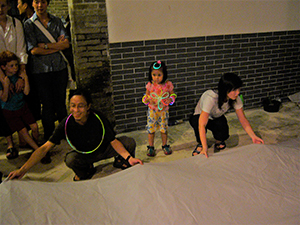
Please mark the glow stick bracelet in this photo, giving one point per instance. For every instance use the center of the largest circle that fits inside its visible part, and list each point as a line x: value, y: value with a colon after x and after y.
x: 144, y: 100
x: 160, y: 98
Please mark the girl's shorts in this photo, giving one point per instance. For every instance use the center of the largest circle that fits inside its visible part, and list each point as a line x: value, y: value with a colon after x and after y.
x: 157, y: 120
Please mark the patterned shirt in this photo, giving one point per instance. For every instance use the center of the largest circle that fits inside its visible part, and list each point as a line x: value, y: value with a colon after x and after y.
x: 159, y: 92
x: 44, y: 63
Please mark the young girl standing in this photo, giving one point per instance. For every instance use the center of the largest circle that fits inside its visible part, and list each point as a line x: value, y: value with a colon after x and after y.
x: 159, y: 95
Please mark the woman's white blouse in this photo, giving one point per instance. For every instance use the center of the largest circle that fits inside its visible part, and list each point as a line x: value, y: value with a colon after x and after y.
x: 209, y: 103
x: 12, y: 39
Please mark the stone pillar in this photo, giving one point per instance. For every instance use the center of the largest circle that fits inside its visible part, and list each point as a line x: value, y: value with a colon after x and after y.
x: 89, y: 38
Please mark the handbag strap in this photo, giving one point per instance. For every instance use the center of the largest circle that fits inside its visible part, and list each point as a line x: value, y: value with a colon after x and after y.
x: 48, y: 35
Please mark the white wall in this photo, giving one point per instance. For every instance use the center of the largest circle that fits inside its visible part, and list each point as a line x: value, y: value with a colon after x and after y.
x: 133, y: 20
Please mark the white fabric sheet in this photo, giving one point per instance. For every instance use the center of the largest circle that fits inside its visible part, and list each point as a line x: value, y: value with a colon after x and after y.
x: 254, y: 184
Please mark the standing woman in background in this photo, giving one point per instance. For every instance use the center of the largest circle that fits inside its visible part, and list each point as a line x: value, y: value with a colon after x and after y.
x: 48, y: 68
x: 11, y: 39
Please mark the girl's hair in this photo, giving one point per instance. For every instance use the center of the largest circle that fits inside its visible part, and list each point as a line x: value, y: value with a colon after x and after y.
x: 228, y: 82
x: 84, y: 93
x: 6, y: 57
x: 158, y: 65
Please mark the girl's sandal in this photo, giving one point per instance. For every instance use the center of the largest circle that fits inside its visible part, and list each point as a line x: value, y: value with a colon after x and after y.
x: 219, y: 146
x: 167, y: 150
x: 150, y: 151
x: 196, y: 151
x: 12, y: 153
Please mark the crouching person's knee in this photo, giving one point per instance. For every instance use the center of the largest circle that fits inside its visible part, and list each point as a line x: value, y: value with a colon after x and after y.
x: 70, y: 159
x: 129, y: 144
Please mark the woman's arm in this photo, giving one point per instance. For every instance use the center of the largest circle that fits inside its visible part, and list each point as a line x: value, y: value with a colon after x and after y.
x: 36, y: 156
x: 21, y: 46
x: 247, y: 127
x: 203, y: 119
x: 42, y: 51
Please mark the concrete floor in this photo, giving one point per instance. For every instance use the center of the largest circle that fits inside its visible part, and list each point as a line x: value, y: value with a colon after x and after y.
x: 271, y: 127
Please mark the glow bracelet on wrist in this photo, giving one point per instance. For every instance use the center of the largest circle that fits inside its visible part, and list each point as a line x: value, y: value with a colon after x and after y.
x: 144, y: 100
x: 173, y: 97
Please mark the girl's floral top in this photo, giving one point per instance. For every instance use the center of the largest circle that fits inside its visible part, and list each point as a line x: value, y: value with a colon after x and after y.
x: 158, y: 93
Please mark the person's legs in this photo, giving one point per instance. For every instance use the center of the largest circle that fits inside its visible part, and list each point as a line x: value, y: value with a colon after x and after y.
x: 82, y: 165
x: 61, y: 80
x: 151, y: 139
x: 25, y: 135
x: 164, y: 120
x: 29, y: 120
x: 151, y: 128
x: 35, y: 132
x: 164, y: 138
x: 5, y: 131
x: 220, y: 130
x: 194, y: 122
x: 9, y: 140
x: 46, y: 87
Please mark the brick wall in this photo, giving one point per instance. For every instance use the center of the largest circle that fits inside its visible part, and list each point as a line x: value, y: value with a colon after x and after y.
x: 90, y: 46
x: 58, y: 8
x: 268, y: 63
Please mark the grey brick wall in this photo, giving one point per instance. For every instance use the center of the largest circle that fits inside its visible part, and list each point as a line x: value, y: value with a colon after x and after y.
x: 268, y: 63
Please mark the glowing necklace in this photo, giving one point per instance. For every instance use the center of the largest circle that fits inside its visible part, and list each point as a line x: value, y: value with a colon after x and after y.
x: 72, y: 146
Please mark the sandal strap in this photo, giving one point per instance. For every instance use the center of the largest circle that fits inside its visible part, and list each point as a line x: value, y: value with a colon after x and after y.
x: 195, y: 150
x: 217, y: 147
x: 221, y: 143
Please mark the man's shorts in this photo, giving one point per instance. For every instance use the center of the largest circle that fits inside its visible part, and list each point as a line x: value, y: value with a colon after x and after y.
x: 157, y: 120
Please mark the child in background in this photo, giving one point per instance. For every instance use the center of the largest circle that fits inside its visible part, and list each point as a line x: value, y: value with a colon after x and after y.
x: 159, y: 95
x: 14, y: 108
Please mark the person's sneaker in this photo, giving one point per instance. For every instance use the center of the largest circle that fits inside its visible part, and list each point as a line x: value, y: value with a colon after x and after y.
x: 167, y: 149
x: 150, y: 151
x: 46, y: 159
